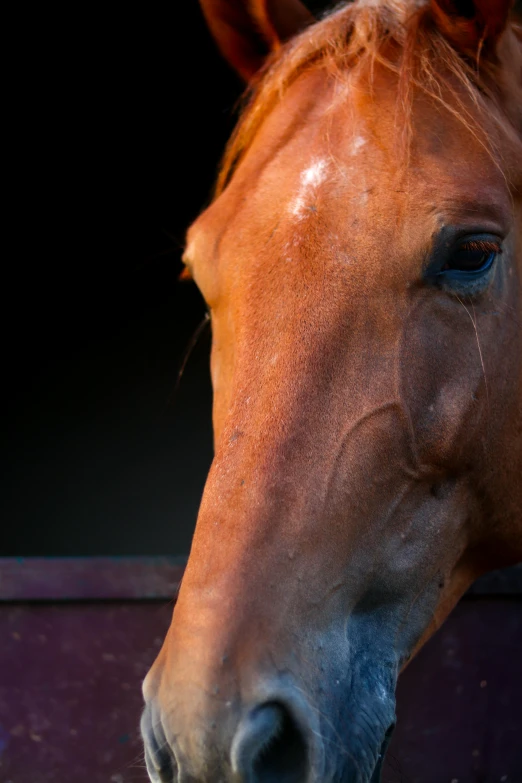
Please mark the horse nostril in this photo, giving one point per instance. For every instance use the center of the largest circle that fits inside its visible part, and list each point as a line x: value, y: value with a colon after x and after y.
x: 161, y: 768
x: 269, y: 746
x: 159, y: 758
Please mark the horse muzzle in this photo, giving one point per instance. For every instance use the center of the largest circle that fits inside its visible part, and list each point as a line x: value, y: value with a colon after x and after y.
x: 280, y: 737
x: 275, y: 739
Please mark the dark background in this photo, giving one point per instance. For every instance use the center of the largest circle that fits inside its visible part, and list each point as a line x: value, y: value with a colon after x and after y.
x: 117, y: 124
x: 116, y: 119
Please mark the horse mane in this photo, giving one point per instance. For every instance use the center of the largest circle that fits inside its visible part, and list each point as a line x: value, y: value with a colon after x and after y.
x: 402, y: 37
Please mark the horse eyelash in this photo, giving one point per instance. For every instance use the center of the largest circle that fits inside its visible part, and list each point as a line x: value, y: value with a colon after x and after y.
x: 482, y: 244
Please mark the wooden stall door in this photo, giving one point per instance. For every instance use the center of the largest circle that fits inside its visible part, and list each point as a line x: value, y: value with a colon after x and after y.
x: 79, y: 634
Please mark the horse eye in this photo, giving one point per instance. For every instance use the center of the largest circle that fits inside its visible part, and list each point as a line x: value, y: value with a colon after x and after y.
x: 469, y: 263
x: 476, y: 256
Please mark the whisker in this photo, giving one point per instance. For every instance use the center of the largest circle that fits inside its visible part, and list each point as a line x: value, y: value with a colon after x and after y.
x: 186, y: 356
x: 474, y: 322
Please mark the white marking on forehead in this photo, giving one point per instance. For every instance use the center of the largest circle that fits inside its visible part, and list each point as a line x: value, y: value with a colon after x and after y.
x: 314, y: 175
x: 311, y: 178
x: 356, y: 145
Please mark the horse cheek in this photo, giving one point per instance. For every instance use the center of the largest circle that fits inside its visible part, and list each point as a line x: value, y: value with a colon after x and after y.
x: 444, y: 388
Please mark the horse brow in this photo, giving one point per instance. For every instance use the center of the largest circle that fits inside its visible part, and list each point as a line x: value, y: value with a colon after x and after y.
x: 357, y: 37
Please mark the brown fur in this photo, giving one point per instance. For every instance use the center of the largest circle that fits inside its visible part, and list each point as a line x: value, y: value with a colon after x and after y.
x: 408, y: 43
x: 368, y: 421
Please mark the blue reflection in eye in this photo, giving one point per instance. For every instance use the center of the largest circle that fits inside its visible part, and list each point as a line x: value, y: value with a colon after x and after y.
x: 469, y: 265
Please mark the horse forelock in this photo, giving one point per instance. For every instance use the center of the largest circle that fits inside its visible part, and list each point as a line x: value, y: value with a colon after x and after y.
x: 483, y: 93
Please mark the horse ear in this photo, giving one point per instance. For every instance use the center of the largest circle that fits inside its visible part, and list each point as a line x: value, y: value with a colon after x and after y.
x: 246, y: 31
x: 471, y: 25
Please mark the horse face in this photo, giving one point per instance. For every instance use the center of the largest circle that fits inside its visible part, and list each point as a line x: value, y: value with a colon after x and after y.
x: 366, y: 368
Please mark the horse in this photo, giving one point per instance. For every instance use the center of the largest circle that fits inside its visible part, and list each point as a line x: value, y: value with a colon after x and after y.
x: 362, y: 265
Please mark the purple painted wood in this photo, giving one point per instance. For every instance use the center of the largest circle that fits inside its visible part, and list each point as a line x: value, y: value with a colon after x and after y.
x: 89, y: 578
x: 128, y: 578
x: 70, y: 699
x: 459, y: 703
x: 71, y: 672
x: 70, y: 690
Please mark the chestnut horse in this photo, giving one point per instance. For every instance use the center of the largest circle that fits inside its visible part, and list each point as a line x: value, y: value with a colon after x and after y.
x: 362, y: 264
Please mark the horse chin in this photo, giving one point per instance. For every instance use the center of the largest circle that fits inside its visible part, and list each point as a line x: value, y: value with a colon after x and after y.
x: 362, y: 774
x: 376, y: 777
x: 364, y: 741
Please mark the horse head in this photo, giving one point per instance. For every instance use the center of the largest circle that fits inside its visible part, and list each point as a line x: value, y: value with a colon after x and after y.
x: 362, y: 264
